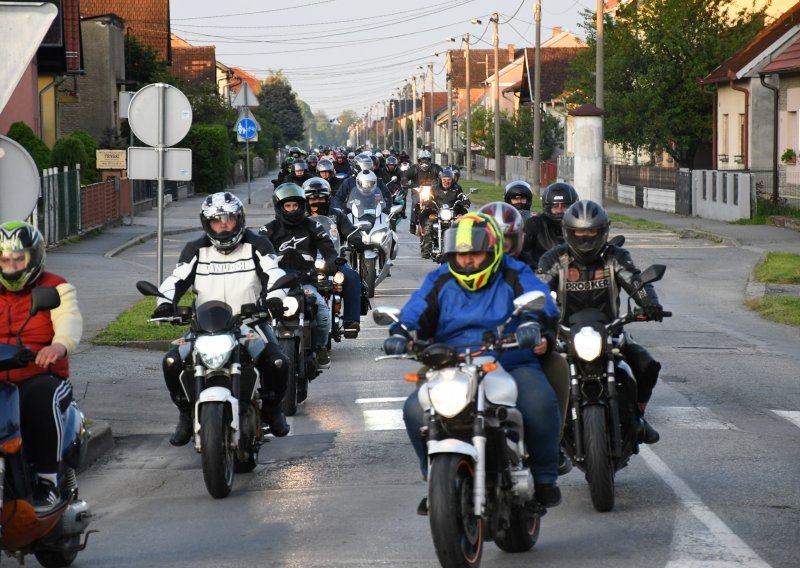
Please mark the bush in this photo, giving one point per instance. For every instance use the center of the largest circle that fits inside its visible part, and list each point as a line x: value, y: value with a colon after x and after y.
x: 68, y: 151
x: 23, y: 134
x: 211, y: 156
x: 89, y: 173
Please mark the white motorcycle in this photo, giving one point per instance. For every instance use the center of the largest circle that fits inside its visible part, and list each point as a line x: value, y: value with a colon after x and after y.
x: 365, y: 211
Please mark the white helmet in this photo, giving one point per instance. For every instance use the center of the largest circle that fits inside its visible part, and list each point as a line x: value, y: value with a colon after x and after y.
x: 366, y: 181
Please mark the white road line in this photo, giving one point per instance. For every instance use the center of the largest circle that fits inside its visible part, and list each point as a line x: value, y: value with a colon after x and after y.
x: 716, y: 545
x: 380, y: 400
x: 792, y: 416
x: 388, y: 419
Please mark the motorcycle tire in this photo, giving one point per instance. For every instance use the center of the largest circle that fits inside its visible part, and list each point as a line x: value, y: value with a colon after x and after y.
x: 289, y: 403
x: 599, y: 464
x: 457, y: 532
x: 58, y: 558
x: 247, y: 465
x: 523, y: 532
x: 217, y: 453
x: 370, y: 275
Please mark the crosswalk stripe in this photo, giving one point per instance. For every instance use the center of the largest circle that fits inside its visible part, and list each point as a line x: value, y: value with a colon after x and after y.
x: 792, y: 416
x: 385, y: 419
x: 380, y: 400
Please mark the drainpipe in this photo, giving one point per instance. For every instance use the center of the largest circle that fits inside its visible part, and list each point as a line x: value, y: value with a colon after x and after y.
x: 54, y: 83
x: 713, y: 96
x: 775, y: 97
x: 746, y: 141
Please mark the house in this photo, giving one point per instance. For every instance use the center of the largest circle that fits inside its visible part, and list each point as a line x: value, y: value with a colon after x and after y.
x: 147, y: 20
x: 191, y: 63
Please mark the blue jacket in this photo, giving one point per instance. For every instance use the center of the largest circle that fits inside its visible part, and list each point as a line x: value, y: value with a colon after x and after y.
x: 446, y: 312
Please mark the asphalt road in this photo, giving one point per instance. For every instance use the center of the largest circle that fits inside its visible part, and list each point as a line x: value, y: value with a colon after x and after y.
x: 719, y: 490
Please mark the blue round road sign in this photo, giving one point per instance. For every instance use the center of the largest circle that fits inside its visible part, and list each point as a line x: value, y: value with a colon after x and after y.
x: 246, y: 128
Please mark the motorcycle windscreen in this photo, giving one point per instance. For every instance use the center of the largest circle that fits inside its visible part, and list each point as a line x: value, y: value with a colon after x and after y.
x: 214, y: 316
x: 365, y: 207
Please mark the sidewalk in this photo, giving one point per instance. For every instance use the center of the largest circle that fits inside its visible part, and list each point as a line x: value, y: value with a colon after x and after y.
x: 106, y: 283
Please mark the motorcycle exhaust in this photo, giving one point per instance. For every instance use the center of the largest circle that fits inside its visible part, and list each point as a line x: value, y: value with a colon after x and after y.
x: 76, y: 518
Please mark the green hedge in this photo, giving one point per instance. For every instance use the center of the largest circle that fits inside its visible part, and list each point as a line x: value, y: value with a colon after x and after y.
x: 23, y: 134
x: 68, y: 151
x: 89, y: 173
x: 211, y: 156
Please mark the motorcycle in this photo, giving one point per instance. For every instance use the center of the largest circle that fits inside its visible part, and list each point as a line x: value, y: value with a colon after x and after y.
x: 479, y: 488
x: 445, y: 217
x: 225, y: 392
x: 603, y: 428
x: 399, y: 194
x: 366, y: 213
x: 53, y: 538
x: 290, y: 311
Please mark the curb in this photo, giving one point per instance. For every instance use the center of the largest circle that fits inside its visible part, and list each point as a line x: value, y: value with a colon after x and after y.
x: 147, y: 236
x: 100, y: 441
x: 700, y: 234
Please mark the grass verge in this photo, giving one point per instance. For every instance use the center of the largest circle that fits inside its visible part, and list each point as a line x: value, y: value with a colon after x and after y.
x: 779, y: 268
x: 625, y: 222
x: 132, y: 325
x: 765, y: 208
x: 780, y: 309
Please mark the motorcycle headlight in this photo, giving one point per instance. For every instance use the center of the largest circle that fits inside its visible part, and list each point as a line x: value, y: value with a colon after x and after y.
x: 588, y: 344
x: 378, y: 236
x: 446, y: 214
x: 449, y: 391
x: 338, y: 278
x: 291, y: 306
x: 214, y: 350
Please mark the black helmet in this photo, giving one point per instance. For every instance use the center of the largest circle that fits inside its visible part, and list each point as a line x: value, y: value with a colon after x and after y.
x: 317, y: 187
x: 555, y: 193
x: 295, y: 152
x: 284, y: 193
x: 219, y: 205
x: 392, y: 164
x: 312, y: 160
x: 516, y: 189
x: 299, y: 165
x: 585, y: 215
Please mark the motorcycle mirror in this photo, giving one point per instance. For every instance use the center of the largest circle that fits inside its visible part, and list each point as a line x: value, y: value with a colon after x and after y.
x: 653, y: 273
x: 617, y: 241
x: 386, y: 315
x: 146, y: 288
x: 394, y: 178
x: 247, y: 310
x: 44, y: 298
x: 530, y: 301
x: 395, y: 210
x: 285, y: 281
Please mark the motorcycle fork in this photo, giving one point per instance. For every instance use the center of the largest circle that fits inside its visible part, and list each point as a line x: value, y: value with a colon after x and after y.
x: 575, y: 411
x: 613, y: 406
x: 479, y: 441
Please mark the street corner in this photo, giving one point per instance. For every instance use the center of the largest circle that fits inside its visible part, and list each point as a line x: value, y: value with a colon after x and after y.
x: 100, y: 441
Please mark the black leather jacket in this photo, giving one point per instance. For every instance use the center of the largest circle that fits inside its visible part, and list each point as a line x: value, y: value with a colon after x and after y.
x: 541, y: 234
x: 593, y: 286
x: 454, y: 197
x: 296, y: 246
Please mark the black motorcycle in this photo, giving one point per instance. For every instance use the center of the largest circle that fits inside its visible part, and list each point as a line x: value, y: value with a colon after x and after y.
x: 604, y: 427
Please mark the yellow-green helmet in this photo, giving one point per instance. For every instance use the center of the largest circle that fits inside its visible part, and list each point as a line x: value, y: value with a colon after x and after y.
x: 18, y: 237
x: 474, y: 232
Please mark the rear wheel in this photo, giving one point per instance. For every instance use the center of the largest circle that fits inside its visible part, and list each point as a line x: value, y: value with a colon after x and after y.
x: 523, y: 533
x: 457, y: 532
x: 217, y: 450
x: 289, y: 403
x: 599, y: 465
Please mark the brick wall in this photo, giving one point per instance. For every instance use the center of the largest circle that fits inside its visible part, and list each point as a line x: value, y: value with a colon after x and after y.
x: 99, y: 204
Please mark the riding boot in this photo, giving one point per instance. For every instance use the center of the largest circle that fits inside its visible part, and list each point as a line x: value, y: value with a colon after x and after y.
x: 648, y: 434
x: 183, y: 431
x: 272, y: 415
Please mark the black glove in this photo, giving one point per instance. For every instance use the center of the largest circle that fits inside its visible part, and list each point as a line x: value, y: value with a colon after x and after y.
x: 165, y: 310
x: 395, y: 345
x: 529, y: 335
x: 358, y: 245
x: 654, y: 312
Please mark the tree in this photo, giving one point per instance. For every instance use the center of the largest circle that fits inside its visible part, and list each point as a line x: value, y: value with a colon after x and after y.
x: 654, y: 53
x: 24, y: 136
x: 142, y: 64
x: 278, y: 98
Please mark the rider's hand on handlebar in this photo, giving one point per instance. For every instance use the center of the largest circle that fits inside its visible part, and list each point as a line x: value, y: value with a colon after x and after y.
x: 395, y: 345
x: 50, y: 354
x: 654, y: 312
x: 528, y: 335
x: 165, y: 310
x: 358, y: 245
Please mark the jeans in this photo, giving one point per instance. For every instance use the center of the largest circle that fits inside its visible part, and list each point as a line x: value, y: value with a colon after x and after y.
x: 321, y: 326
x: 351, y: 294
x: 540, y: 413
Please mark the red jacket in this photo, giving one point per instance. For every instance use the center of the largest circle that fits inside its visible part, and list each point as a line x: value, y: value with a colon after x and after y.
x: 15, y: 307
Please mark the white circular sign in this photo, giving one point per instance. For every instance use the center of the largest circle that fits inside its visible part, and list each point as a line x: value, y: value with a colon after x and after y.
x: 19, y: 181
x: 166, y: 128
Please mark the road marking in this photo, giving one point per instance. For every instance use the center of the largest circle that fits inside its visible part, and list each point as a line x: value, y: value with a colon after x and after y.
x: 687, y: 418
x: 792, y: 416
x: 716, y: 545
x: 380, y: 400
x: 387, y: 419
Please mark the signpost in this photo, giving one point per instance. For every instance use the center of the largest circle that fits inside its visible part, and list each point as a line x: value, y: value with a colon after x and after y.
x: 19, y: 182
x: 160, y: 116
x: 246, y: 130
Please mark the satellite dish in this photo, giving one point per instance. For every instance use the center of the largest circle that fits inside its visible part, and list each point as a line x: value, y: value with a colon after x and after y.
x: 19, y: 181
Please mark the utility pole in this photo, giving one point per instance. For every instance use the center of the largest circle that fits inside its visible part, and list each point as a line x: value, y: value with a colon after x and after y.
x: 537, y: 101
x: 385, y: 124
x: 599, y: 57
x: 495, y: 18
x: 414, y: 116
x: 422, y: 107
x: 469, y: 112
x: 448, y: 138
x: 403, y: 134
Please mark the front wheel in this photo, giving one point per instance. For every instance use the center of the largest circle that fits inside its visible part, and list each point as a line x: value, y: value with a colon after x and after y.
x: 456, y: 530
x: 289, y: 402
x: 217, y: 448
x: 370, y: 275
x: 599, y: 465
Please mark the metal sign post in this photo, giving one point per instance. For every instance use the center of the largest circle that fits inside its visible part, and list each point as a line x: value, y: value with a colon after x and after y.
x: 160, y: 116
x: 247, y: 129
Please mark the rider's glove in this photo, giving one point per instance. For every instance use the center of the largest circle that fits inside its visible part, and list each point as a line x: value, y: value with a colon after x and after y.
x: 654, y: 312
x: 165, y: 310
x: 529, y: 335
x: 395, y: 345
x: 358, y: 245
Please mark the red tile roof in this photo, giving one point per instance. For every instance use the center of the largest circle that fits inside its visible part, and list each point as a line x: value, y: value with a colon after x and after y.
x: 147, y: 20
x: 555, y: 63
x: 250, y: 79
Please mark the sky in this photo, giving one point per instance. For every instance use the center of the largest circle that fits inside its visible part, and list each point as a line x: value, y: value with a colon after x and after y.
x: 349, y: 54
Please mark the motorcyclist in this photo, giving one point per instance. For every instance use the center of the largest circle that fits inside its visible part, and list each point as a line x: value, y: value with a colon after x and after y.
x: 286, y: 169
x: 543, y: 232
x: 44, y: 388
x: 327, y: 171
x: 318, y: 199
x: 312, y: 162
x: 299, y: 173
x: 390, y: 170
x: 444, y: 192
x: 586, y: 272
x: 231, y: 264
x: 457, y: 303
x: 519, y: 194
x: 510, y: 221
x: 298, y: 239
x: 340, y: 163
x: 365, y: 181
x: 424, y: 172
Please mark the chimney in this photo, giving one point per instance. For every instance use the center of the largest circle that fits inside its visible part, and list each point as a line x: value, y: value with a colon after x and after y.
x: 511, y: 52
x: 556, y: 31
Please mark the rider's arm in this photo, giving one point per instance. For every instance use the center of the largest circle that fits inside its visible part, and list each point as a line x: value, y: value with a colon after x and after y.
x: 629, y: 278
x: 66, y: 318
x: 324, y: 244
x: 178, y: 283
x: 421, y: 312
x: 345, y: 227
